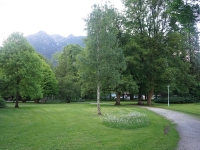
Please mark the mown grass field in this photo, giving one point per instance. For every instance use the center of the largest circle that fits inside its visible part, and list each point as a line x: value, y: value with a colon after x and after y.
x: 76, y: 126
x: 193, y: 109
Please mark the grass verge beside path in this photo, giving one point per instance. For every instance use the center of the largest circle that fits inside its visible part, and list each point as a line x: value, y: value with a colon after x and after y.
x: 193, y: 109
x: 76, y: 126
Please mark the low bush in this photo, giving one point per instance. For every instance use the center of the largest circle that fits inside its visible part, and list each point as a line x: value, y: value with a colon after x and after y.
x: 2, y: 103
x: 177, y: 100
x: 131, y: 121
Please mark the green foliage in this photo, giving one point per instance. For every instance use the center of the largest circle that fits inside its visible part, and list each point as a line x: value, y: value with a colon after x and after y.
x: 69, y: 88
x: 21, y: 68
x: 2, y: 103
x: 49, y: 82
x: 66, y: 73
x: 132, y: 120
x: 127, y: 84
x: 184, y: 13
x: 55, y: 58
x: 67, y: 60
x: 177, y: 100
x: 102, y: 61
x: 161, y: 45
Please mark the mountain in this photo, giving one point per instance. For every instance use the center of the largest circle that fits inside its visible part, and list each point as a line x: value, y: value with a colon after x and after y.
x: 49, y: 44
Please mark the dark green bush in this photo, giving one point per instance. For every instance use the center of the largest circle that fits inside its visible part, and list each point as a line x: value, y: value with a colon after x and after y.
x: 177, y: 100
x: 2, y: 103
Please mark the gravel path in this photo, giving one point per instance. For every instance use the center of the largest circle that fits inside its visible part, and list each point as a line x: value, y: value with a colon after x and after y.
x: 187, y: 126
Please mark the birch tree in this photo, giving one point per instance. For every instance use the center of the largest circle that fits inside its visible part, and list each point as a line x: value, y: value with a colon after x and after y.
x: 102, y: 61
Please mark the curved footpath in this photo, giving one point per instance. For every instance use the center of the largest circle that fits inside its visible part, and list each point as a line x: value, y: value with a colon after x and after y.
x: 187, y: 126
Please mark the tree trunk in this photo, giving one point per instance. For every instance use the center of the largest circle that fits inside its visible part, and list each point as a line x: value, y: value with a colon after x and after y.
x: 17, y: 99
x: 118, y: 98
x: 68, y: 100
x: 140, y: 96
x: 149, y: 96
x: 98, y: 99
x: 23, y: 101
x: 131, y: 97
x: 36, y: 100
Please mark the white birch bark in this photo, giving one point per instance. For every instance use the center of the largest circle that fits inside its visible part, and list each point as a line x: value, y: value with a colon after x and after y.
x: 98, y: 99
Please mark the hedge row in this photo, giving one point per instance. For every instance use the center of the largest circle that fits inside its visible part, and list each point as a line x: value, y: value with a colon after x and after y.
x: 177, y: 100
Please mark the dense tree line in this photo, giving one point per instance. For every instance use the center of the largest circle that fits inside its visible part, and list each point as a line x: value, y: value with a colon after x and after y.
x: 157, y: 39
x: 152, y: 44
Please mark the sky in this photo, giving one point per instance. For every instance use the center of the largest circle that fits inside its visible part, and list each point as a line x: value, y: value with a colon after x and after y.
x: 62, y: 17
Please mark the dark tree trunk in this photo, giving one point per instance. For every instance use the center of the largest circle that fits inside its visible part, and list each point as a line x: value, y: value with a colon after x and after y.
x: 36, y: 100
x: 68, y: 100
x: 140, y: 96
x: 149, y: 96
x: 118, y: 98
x: 17, y: 99
x: 23, y: 101
x: 131, y: 97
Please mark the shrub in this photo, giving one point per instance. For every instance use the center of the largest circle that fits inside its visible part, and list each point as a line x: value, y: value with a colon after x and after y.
x: 177, y: 100
x: 131, y: 121
x: 2, y: 103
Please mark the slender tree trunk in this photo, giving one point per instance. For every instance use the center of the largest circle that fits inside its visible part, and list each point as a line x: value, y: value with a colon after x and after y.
x: 139, y: 96
x: 98, y: 99
x: 118, y: 98
x: 17, y: 99
x: 131, y: 97
x: 149, y: 96
x: 98, y: 74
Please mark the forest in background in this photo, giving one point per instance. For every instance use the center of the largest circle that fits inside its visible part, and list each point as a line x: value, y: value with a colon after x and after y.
x: 142, y: 50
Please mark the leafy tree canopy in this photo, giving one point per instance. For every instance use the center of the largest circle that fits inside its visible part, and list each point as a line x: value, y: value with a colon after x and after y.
x: 21, y: 68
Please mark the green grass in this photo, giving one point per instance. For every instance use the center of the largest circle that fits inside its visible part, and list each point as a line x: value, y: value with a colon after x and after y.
x: 76, y: 126
x: 193, y: 109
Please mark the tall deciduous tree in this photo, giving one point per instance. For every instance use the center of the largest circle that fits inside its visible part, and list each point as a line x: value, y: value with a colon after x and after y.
x: 186, y: 14
x: 21, y: 67
x: 155, y: 52
x: 67, y: 73
x: 102, y: 60
x: 49, y: 82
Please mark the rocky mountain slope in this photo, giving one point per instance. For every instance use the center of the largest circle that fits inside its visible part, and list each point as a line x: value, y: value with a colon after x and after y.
x: 49, y: 44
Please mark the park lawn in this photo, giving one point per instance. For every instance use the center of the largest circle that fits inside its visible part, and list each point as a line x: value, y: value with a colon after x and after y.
x: 76, y: 126
x: 193, y: 108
